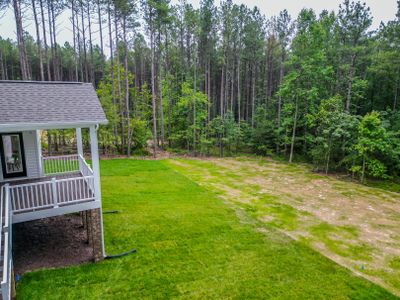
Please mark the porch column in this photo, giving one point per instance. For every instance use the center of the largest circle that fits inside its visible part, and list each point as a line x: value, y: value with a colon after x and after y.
x: 39, y: 151
x: 79, y: 144
x: 96, y: 170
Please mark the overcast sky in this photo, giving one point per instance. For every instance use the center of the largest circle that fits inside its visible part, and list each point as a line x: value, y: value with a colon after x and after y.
x: 382, y: 10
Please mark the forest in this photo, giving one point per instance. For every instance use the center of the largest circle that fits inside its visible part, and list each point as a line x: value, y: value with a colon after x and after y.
x: 223, y: 79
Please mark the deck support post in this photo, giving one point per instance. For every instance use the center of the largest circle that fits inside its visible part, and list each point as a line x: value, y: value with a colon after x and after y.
x: 94, y: 230
x: 97, y: 188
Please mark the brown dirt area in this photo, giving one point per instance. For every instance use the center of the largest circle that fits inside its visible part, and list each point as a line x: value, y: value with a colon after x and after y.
x: 51, y: 242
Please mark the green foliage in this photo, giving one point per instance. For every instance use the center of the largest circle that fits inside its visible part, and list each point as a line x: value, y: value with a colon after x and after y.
x: 141, y: 133
x: 333, y: 129
x: 372, y: 145
x: 189, y: 116
x: 263, y: 135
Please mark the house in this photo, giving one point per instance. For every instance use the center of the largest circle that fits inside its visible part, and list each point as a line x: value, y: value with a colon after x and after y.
x: 33, y: 186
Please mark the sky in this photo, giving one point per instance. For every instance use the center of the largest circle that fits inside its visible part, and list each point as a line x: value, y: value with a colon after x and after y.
x: 382, y: 10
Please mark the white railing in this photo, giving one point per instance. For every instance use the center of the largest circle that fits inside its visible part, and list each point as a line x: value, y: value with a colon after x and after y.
x: 53, y: 165
x: 84, y: 167
x: 86, y: 171
x: 6, y: 242
x: 51, y: 194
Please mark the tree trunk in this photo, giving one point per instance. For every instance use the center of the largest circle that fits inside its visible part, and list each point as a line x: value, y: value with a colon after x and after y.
x: 153, y: 92
x: 159, y: 60
x: 194, y: 105
x: 396, y: 92
x: 38, y: 40
x: 21, y: 43
x: 222, y: 91
x: 57, y: 65
x: 363, y: 169
x: 328, y: 157
x: 74, y: 38
x: 253, y: 94
x: 85, y: 64
x: 117, y: 54
x: 79, y: 47
x: 238, y: 90
x: 100, y: 27
x: 92, y: 79
x: 350, y: 83
x: 127, y: 110
x: 209, y: 102
x: 281, y: 74
x: 293, y: 132
x: 46, y: 50
x: 51, y: 38
x: 3, y: 72
x: 115, y: 130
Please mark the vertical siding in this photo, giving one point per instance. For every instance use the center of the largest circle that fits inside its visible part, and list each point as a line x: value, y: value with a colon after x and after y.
x: 31, y: 154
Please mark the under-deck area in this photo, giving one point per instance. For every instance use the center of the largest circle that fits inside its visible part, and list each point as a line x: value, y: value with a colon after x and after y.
x: 51, y: 242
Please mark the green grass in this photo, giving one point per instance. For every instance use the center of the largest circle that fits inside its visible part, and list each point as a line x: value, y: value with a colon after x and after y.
x: 191, y: 245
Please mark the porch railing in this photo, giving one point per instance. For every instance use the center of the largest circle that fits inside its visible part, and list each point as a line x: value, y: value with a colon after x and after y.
x: 53, y: 165
x: 52, y: 193
x: 55, y: 192
x: 6, y: 242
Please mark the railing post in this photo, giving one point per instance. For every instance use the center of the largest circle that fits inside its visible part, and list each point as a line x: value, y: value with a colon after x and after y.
x: 54, y: 190
x: 7, y: 207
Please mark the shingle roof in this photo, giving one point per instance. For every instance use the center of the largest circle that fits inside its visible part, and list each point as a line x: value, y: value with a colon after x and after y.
x: 35, y: 102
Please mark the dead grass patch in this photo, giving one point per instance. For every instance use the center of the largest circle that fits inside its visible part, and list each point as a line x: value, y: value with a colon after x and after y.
x: 303, y: 200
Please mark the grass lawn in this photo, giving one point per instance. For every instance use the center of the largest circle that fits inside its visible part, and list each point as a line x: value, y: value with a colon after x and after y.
x: 191, y: 245
x: 355, y: 225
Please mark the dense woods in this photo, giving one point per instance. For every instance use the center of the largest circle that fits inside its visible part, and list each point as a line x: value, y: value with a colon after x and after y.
x: 223, y: 79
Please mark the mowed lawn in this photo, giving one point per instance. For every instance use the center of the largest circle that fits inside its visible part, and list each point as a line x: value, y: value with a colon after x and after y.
x: 355, y: 225
x: 191, y: 245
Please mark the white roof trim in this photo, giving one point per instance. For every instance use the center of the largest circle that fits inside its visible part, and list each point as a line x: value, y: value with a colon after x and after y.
x: 50, y: 125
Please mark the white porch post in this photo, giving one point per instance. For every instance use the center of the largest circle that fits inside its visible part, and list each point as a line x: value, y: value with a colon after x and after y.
x: 39, y: 151
x: 79, y: 146
x: 94, y: 148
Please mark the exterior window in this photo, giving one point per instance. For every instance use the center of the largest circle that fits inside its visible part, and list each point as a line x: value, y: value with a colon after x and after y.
x: 12, y: 158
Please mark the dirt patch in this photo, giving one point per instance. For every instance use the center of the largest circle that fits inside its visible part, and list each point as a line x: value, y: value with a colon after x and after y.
x: 51, y: 242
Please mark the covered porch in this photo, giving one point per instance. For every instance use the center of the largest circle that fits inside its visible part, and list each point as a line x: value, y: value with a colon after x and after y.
x: 65, y: 184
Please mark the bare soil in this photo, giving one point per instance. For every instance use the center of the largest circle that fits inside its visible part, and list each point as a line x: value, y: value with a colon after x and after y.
x: 49, y: 243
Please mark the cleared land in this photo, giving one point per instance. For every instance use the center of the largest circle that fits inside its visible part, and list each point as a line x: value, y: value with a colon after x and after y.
x: 192, y: 245
x: 354, y: 225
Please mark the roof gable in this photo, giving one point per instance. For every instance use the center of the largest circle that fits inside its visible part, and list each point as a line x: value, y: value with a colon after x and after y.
x: 49, y: 103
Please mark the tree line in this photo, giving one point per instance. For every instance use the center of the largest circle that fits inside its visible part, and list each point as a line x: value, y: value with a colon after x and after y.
x: 224, y: 79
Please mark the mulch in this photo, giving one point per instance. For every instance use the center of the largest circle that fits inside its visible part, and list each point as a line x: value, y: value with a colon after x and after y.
x: 50, y: 243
